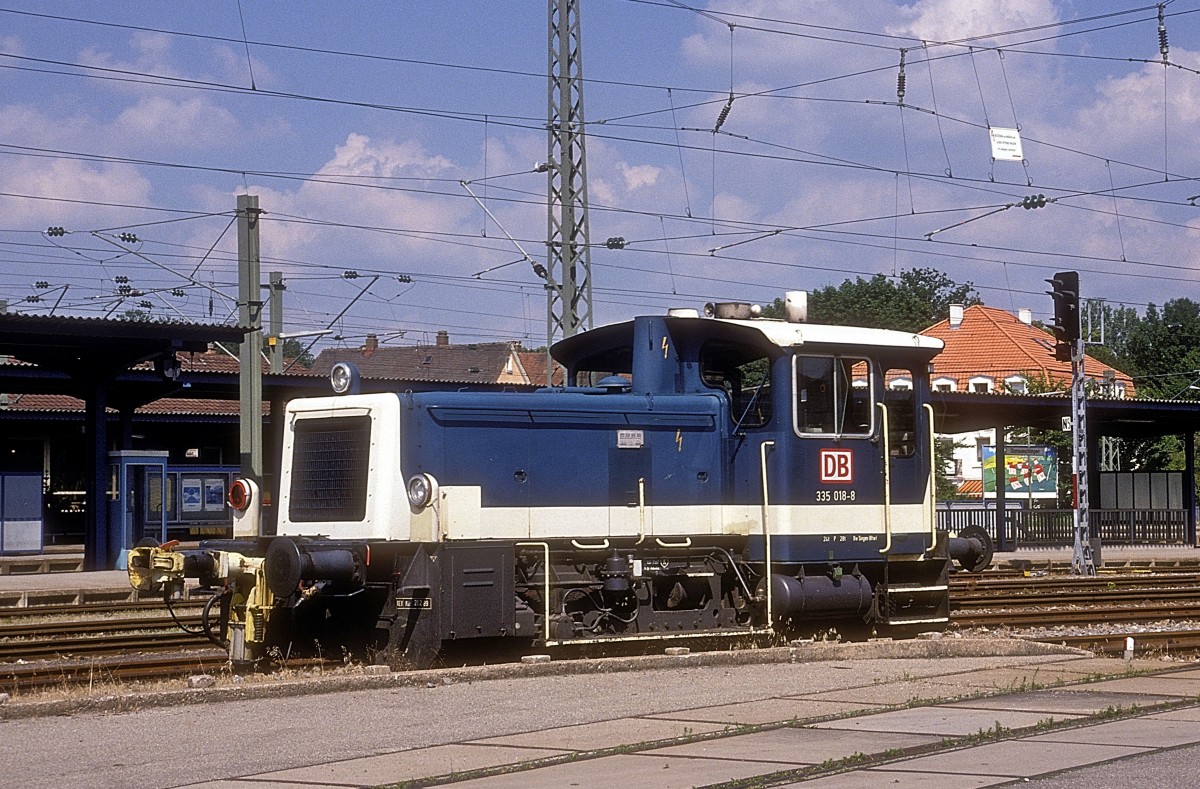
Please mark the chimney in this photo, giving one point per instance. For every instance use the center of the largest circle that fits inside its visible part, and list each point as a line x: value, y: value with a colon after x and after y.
x: 443, y: 337
x: 371, y: 345
x: 956, y: 315
x: 1025, y: 315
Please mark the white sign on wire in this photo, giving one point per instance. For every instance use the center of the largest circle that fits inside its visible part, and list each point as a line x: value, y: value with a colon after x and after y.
x: 1006, y: 145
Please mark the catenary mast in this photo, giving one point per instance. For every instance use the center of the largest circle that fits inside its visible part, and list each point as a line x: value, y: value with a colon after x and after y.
x: 568, y: 254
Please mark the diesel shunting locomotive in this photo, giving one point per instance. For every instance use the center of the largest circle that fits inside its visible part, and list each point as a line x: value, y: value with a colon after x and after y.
x: 698, y: 476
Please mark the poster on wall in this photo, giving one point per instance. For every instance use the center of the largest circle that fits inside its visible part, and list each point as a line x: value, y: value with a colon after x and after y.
x: 1028, y: 471
x: 214, y: 495
x: 191, y: 494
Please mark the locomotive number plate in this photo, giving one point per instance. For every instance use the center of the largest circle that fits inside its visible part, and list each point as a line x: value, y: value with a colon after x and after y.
x: 630, y: 439
x: 841, y: 494
x: 411, y: 603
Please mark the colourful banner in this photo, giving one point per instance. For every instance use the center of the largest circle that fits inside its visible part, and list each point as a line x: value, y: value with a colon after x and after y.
x: 1028, y: 471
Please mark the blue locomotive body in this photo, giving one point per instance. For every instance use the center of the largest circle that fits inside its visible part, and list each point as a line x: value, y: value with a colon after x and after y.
x: 699, y: 476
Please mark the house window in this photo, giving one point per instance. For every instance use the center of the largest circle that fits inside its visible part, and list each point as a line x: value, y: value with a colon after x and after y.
x: 1016, y: 384
x: 981, y: 384
x: 944, y: 385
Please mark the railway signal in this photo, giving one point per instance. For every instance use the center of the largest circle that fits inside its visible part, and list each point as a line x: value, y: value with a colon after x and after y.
x: 1065, y: 293
x: 1068, y: 347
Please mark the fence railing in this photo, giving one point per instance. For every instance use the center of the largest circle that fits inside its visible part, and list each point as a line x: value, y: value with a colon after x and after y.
x: 1057, y: 527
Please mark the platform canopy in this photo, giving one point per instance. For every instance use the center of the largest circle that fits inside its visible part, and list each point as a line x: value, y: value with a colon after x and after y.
x: 963, y: 412
x: 84, y: 357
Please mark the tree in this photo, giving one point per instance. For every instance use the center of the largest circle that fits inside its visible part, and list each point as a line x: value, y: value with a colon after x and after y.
x: 944, y: 487
x: 916, y: 300
x: 1163, y: 350
x: 294, y: 349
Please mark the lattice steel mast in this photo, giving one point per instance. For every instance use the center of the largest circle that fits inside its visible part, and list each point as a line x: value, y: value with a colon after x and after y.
x: 568, y: 255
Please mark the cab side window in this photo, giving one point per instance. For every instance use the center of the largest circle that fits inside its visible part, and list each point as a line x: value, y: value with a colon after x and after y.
x: 744, y: 374
x: 833, y: 395
x: 900, y: 400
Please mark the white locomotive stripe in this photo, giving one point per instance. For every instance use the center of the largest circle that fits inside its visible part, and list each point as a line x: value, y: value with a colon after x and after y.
x: 596, y: 523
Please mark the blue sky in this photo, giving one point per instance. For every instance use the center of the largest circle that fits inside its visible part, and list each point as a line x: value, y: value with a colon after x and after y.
x: 140, y: 117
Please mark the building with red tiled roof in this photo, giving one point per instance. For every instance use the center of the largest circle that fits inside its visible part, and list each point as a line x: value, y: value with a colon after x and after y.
x: 473, y: 363
x: 534, y: 363
x: 989, y: 350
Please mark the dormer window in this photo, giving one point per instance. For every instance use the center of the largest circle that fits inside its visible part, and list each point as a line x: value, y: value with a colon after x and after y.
x: 980, y: 384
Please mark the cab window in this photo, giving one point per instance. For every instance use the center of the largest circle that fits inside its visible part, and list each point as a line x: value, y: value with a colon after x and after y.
x: 744, y: 374
x: 899, y: 397
x: 833, y: 396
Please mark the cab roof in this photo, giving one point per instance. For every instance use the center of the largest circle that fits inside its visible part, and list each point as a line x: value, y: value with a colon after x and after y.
x: 615, y: 341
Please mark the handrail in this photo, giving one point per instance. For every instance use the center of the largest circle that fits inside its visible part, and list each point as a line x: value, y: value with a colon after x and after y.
x: 545, y: 546
x: 931, y: 488
x: 687, y: 543
x: 887, y: 479
x: 641, y: 510
x: 601, y: 546
x: 762, y: 451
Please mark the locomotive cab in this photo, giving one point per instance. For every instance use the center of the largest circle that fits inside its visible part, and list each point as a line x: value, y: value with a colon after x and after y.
x: 696, y: 477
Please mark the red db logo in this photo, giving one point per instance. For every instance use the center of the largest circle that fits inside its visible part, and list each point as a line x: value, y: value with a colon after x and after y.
x: 837, y: 465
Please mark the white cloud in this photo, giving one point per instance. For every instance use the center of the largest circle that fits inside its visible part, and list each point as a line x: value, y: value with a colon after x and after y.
x: 951, y: 20
x: 638, y: 176
x: 79, y: 184
x: 157, y: 122
x: 1126, y: 118
x: 359, y: 155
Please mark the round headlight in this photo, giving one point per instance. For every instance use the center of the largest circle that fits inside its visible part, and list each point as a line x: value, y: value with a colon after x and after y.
x: 343, y: 377
x: 241, y: 494
x: 420, y: 491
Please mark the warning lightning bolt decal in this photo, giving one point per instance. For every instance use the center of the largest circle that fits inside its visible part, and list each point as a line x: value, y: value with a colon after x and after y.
x: 664, y: 346
x: 679, y: 439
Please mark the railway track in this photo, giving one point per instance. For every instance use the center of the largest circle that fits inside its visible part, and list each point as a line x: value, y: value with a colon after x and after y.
x: 47, y: 646
x: 65, y: 674
x: 1159, y: 641
x: 1048, y: 602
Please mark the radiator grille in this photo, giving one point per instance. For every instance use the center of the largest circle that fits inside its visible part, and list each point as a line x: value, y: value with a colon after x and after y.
x: 329, y: 469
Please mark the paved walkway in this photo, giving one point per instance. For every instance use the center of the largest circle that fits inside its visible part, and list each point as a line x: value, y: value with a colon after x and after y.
x: 910, y: 714
x: 917, y: 727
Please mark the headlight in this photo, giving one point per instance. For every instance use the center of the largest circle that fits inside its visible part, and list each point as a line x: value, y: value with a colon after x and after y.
x: 343, y: 377
x: 241, y: 494
x: 420, y: 491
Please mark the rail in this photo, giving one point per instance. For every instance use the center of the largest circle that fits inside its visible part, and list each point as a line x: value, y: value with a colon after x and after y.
x: 1047, y: 527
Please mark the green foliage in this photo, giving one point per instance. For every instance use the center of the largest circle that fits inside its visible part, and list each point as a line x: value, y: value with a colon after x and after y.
x: 944, y: 488
x: 1162, y: 351
x: 916, y: 299
x: 294, y: 349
